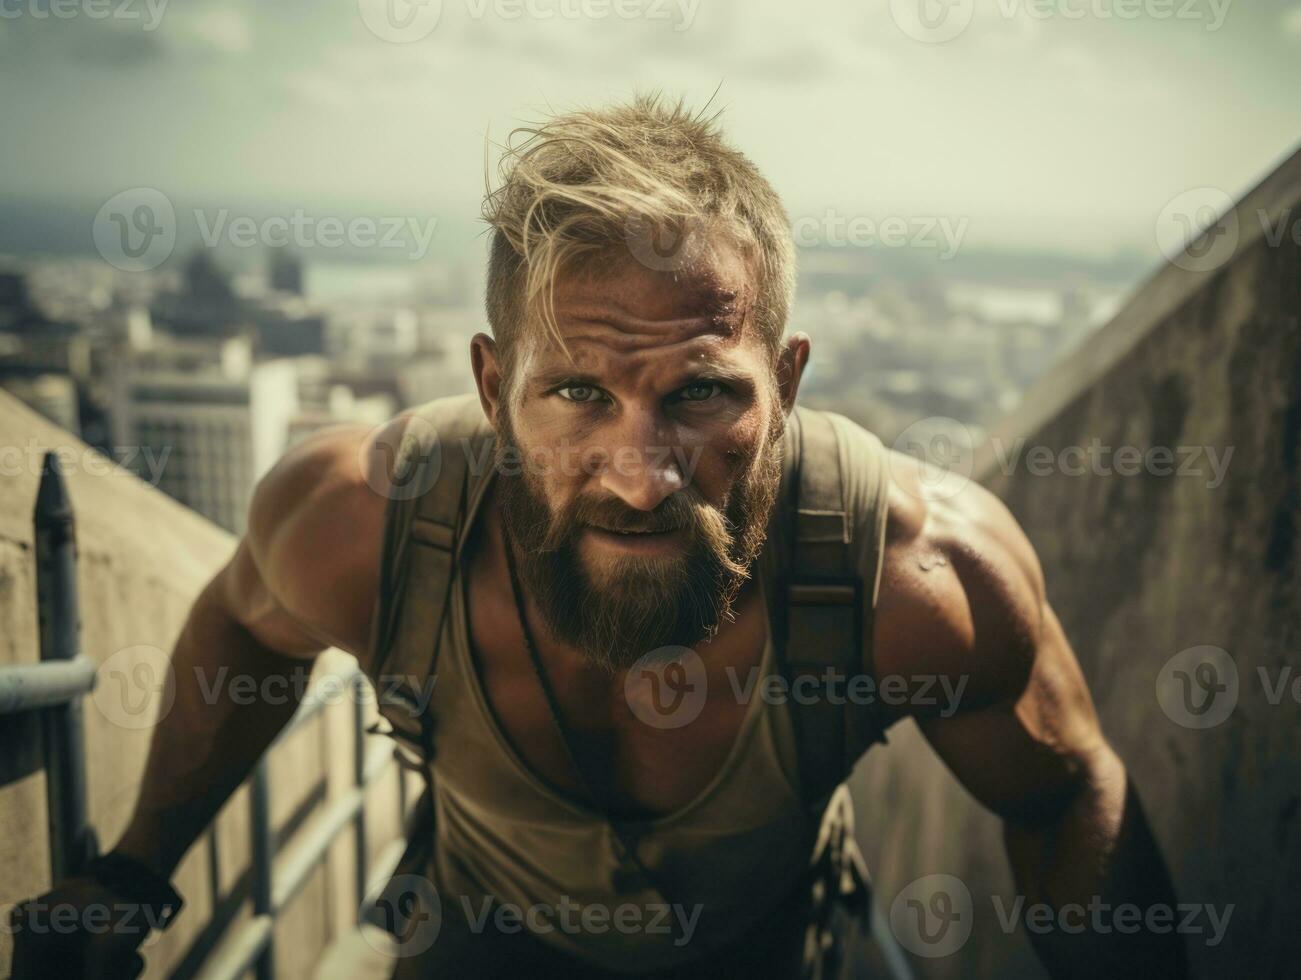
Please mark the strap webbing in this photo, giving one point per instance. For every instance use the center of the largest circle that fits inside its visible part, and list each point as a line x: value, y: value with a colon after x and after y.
x: 426, y: 533
x: 821, y: 596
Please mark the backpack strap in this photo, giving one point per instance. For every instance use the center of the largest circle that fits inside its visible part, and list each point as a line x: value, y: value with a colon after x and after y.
x: 444, y: 455
x: 821, y: 607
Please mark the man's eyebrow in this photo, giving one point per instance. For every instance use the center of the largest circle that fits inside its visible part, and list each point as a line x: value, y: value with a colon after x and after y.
x: 712, y: 370
x: 715, y: 372
x: 554, y: 376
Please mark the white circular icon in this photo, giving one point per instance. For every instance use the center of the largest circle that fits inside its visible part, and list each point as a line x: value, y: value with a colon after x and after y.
x: 409, y: 912
x: 1198, y: 687
x: 135, y: 230
x: 932, y: 916
x: 419, y: 449
x: 667, y: 687
x: 932, y: 21
x: 946, y: 451
x: 400, y: 21
x: 135, y: 688
x: 665, y: 247
x: 1198, y: 230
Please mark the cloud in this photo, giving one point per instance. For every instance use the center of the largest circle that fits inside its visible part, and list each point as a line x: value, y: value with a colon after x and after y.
x: 222, y: 30
x: 1292, y: 21
x: 78, y: 43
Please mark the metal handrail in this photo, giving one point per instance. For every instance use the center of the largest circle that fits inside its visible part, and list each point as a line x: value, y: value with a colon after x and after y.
x: 282, y: 874
x: 30, y: 687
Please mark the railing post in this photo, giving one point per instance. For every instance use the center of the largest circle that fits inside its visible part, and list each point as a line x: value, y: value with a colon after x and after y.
x: 359, y: 780
x: 262, y: 866
x: 72, y: 842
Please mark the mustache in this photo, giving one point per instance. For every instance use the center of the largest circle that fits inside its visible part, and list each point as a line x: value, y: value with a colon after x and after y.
x: 684, y: 509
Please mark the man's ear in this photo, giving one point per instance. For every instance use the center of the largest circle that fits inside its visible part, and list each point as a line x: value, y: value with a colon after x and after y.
x: 487, y: 374
x: 791, y: 358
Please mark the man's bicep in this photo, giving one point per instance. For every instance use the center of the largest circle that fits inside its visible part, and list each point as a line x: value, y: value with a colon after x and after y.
x: 244, y: 595
x: 1026, y: 756
x: 966, y: 603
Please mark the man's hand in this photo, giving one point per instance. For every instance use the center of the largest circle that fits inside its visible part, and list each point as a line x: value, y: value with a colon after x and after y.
x: 963, y: 600
x: 79, y: 930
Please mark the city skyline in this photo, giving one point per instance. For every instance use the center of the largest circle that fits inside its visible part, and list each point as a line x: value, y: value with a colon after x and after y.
x: 320, y: 112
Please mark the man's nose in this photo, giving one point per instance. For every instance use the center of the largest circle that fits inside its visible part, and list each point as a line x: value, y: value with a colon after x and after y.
x: 639, y: 466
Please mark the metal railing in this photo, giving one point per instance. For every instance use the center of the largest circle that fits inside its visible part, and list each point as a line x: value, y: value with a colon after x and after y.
x: 55, y: 686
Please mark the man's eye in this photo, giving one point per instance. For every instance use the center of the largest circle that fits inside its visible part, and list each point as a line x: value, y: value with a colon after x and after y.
x: 579, y: 393
x: 699, y: 391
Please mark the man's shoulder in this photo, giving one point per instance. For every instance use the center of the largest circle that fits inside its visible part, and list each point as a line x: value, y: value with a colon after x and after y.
x: 317, y: 522
x: 962, y: 592
x: 316, y: 525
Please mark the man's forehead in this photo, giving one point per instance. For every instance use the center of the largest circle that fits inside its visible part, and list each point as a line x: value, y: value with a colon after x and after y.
x: 626, y: 308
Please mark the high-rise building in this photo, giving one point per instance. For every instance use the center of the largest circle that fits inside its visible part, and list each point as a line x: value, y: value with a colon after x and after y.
x: 204, y: 424
x: 285, y: 272
x: 287, y: 326
x: 206, y: 306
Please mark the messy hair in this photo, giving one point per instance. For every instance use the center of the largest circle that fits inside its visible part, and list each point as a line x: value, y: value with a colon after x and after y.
x: 588, y: 183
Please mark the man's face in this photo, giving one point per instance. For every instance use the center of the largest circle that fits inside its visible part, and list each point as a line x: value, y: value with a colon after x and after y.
x: 637, y: 479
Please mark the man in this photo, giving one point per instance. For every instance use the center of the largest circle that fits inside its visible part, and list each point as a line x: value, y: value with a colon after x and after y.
x: 638, y: 397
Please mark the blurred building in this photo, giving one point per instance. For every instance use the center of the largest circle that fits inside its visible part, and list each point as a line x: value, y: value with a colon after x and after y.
x: 325, y: 400
x: 45, y: 362
x: 285, y: 272
x: 52, y: 395
x: 207, y: 420
x: 287, y: 326
x: 206, y: 305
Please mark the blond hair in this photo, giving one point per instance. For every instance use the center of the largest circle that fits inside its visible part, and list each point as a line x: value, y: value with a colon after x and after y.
x: 583, y: 184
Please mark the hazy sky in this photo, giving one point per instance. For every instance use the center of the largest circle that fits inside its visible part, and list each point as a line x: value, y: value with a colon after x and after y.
x: 1066, y: 124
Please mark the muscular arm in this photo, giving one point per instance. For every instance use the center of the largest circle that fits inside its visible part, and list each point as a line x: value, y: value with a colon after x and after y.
x: 302, y: 579
x: 963, y: 597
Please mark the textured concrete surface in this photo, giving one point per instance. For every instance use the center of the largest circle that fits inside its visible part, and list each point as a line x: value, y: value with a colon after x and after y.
x: 143, y: 558
x: 1141, y: 567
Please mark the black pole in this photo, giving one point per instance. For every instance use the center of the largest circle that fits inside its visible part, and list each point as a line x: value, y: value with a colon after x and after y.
x: 72, y: 842
x: 262, y: 864
x: 359, y: 780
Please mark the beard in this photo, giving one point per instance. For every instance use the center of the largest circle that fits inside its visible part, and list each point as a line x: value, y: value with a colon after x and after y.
x: 633, y: 605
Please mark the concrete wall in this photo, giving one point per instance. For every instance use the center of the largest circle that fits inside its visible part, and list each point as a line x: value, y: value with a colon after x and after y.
x: 1142, y: 567
x: 143, y: 558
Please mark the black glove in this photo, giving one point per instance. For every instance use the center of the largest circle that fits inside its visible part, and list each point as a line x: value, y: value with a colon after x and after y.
x: 92, y: 926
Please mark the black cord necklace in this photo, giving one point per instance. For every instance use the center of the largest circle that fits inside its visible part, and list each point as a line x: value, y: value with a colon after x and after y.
x: 601, y: 800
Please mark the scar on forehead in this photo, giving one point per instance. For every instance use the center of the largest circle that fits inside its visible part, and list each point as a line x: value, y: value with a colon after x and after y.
x: 726, y: 307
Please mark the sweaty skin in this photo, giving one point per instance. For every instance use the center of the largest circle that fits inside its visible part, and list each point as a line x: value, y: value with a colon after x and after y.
x: 962, y: 597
